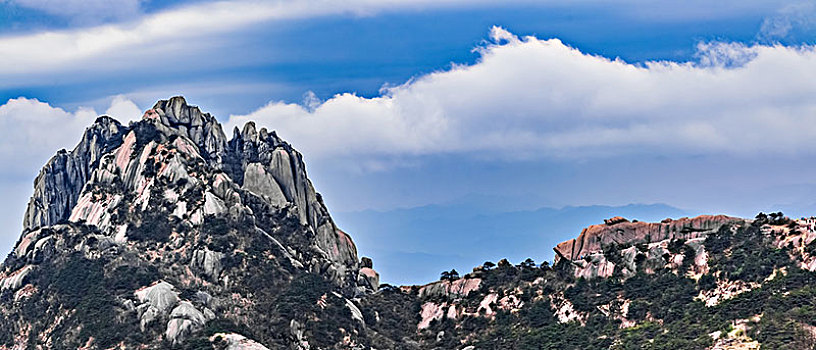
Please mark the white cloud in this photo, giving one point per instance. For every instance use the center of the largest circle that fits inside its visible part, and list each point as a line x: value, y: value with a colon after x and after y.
x: 527, y: 97
x: 168, y: 35
x: 31, y: 131
x: 181, y: 36
x: 124, y: 109
x: 84, y: 11
x: 789, y: 21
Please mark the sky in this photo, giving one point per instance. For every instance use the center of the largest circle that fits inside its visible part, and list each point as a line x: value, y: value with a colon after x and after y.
x: 478, y: 108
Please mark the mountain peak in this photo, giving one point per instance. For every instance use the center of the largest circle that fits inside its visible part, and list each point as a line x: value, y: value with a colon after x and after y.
x: 169, y: 196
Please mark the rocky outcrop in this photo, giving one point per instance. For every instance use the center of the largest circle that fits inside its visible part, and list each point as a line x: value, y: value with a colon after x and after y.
x: 450, y: 289
x: 176, y: 226
x: 208, y: 262
x: 201, y: 128
x: 257, y: 180
x: 234, y: 341
x: 161, y: 295
x: 184, y: 320
x: 622, y: 232
x: 57, y: 187
x: 15, y: 280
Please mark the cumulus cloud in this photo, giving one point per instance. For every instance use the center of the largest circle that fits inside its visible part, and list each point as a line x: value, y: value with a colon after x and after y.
x: 124, y: 109
x: 528, y: 98
x: 31, y: 131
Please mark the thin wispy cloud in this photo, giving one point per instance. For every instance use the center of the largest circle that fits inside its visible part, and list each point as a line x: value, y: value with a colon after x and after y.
x: 84, y: 11
x: 789, y: 21
x: 167, y: 35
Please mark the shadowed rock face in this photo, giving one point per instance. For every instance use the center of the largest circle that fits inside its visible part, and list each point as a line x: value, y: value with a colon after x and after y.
x: 616, y: 231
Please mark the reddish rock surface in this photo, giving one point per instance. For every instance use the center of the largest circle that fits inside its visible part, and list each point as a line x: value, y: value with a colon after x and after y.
x: 595, y: 237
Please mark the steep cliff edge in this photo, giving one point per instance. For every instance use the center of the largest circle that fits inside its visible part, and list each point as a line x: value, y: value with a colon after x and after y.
x: 621, y: 231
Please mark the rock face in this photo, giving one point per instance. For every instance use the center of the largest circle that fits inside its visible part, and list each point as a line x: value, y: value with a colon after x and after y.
x: 620, y: 231
x: 57, y: 187
x: 166, y: 225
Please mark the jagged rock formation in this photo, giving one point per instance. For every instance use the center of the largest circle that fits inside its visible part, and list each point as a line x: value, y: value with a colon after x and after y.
x: 57, y: 187
x: 191, y: 230
x: 621, y: 245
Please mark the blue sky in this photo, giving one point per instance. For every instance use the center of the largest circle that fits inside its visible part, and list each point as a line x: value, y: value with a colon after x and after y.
x: 704, y: 106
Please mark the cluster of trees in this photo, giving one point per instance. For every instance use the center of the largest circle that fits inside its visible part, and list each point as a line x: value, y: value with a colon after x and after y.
x: 777, y: 218
x: 451, y: 275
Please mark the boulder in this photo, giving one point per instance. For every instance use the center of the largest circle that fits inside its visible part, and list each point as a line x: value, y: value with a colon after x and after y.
x: 161, y: 295
x: 213, y: 205
x: 234, y: 341
x: 184, y: 320
x: 368, y: 278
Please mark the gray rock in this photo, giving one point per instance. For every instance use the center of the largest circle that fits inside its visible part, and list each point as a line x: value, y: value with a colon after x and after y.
x: 213, y: 205
x: 234, y: 341
x: 202, y: 298
x: 202, y: 128
x: 15, y: 280
x: 60, y: 182
x: 161, y: 295
x: 184, y: 320
x: 148, y: 314
x: 356, y: 314
x: 257, y: 180
x: 368, y: 278
x: 207, y: 262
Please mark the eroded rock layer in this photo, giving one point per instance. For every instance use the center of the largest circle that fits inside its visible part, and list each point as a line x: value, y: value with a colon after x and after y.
x: 596, y: 237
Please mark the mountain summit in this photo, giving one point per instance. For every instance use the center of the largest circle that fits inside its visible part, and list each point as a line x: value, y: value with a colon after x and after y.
x: 150, y: 232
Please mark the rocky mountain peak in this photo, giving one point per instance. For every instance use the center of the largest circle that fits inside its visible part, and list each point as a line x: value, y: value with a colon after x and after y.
x: 169, y: 196
x: 175, y: 116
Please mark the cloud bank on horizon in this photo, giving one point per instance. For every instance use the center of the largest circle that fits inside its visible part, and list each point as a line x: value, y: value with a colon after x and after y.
x: 531, y: 98
x: 528, y: 98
